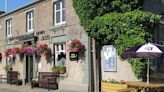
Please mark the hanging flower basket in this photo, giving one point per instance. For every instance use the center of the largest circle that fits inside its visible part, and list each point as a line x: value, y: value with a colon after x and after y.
x: 15, y: 50
x: 11, y: 52
x: 43, y: 48
x: 76, y: 46
x: 28, y: 50
x: 37, y: 51
x: 7, y: 52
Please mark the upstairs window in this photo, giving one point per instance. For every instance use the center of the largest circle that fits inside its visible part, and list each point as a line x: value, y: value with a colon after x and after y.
x: 30, y: 21
x: 59, y: 10
x: 9, y: 27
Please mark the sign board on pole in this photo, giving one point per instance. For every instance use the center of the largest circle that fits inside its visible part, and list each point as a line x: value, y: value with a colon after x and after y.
x: 109, y: 58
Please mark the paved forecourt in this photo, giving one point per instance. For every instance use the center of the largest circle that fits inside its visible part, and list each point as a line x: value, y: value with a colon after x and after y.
x: 25, y: 88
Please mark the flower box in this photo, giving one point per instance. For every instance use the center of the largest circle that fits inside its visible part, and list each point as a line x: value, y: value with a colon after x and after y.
x: 112, y: 87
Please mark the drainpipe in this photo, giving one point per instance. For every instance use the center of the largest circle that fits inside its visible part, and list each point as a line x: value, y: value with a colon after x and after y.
x: 96, y: 89
x: 89, y: 65
x: 24, y: 70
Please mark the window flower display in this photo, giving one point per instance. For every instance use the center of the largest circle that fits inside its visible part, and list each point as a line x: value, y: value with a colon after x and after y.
x: 76, y: 46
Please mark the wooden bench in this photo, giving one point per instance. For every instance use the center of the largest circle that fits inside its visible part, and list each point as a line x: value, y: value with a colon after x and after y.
x: 11, y: 77
x: 46, y: 80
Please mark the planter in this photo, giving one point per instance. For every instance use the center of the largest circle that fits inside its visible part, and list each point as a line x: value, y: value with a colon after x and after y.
x: 112, y: 87
x: 55, y: 71
x: 19, y: 82
x: 61, y: 71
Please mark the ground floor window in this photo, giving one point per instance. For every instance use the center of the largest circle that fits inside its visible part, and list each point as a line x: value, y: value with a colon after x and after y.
x: 8, y: 61
x: 59, y: 54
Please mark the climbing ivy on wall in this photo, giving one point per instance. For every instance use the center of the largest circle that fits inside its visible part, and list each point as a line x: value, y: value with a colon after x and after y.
x: 118, y: 22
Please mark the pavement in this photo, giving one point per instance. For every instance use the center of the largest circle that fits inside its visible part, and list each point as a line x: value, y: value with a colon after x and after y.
x: 4, y: 87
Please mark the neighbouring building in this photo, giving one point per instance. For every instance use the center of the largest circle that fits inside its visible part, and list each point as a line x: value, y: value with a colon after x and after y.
x: 51, y: 22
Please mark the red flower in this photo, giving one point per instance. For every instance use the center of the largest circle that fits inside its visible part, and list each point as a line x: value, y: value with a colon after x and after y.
x: 76, y: 45
x: 16, y: 50
x: 43, y: 48
x: 7, y: 52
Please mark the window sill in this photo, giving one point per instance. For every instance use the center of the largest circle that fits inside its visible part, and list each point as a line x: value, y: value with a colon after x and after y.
x: 63, y: 75
x: 58, y: 27
x: 30, y: 31
x: 9, y: 36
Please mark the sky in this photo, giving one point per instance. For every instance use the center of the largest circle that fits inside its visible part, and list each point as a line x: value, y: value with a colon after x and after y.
x: 13, y: 4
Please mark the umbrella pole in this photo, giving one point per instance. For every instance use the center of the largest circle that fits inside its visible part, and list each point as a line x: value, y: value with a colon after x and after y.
x: 148, y: 63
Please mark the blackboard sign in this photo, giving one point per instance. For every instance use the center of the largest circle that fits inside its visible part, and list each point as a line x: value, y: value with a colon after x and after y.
x: 73, y: 56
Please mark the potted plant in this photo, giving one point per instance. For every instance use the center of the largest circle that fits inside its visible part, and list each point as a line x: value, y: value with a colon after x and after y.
x: 61, y: 69
x: 19, y: 82
x: 55, y: 69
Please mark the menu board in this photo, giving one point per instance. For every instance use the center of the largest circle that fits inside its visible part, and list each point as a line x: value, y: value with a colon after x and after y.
x: 109, y: 58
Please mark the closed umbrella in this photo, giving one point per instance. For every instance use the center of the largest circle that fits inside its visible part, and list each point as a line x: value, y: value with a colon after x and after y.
x: 148, y: 51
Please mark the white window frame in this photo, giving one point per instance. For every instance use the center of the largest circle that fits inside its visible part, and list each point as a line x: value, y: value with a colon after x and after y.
x: 59, y: 50
x: 9, y: 27
x: 61, y: 13
x: 8, y: 61
x: 30, y: 18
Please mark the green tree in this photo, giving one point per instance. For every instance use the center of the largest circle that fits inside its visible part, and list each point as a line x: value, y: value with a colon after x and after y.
x: 122, y: 23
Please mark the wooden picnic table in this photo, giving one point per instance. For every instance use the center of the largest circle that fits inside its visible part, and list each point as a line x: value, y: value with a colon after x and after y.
x: 144, y: 85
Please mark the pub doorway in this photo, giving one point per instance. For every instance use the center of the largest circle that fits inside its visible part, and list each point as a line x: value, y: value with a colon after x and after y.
x: 28, y: 65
